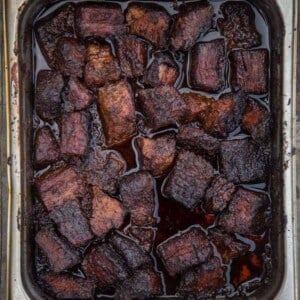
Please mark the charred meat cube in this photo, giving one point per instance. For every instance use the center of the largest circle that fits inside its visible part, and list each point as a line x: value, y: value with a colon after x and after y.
x: 59, y: 254
x: 74, y: 134
x: 70, y: 56
x: 68, y: 287
x: 185, y: 250
x: 47, y: 95
x: 193, y: 19
x: 208, y: 65
x: 256, y: 121
x: 49, y: 29
x: 132, y: 54
x: 60, y: 185
x: 103, y: 168
x: 99, y: 20
x: 71, y: 223
x: 204, y: 281
x: 107, y: 213
x: 250, y: 70
x: 137, y: 193
x: 189, y: 179
x: 162, y: 106
x: 101, y: 65
x: 244, y: 161
x: 227, y: 245
x: 150, y: 21
x: 157, y: 153
x: 218, y: 195
x: 144, y: 284
x: 238, y: 25
x: 77, y: 97
x: 104, y: 264
x: 46, y: 147
x: 117, y: 112
x: 224, y: 115
x: 192, y: 138
x: 245, y: 213
x: 163, y: 70
x: 130, y: 250
x: 144, y: 235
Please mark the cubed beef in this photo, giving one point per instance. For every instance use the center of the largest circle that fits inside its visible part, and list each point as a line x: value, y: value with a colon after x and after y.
x: 101, y: 65
x: 238, y: 25
x: 157, y: 153
x: 207, y: 66
x: 245, y: 213
x: 117, y: 111
x: 130, y: 250
x: 144, y: 235
x: 104, y: 168
x: 150, y: 21
x: 59, y: 254
x: 68, y: 287
x: 70, y: 55
x: 58, y: 186
x: 132, y: 54
x: 162, y: 106
x: 192, y: 138
x: 193, y: 19
x: 184, y: 250
x: 99, y: 20
x: 74, y: 134
x: 46, y: 148
x: 224, y: 115
x: 163, y: 70
x: 78, y: 97
x: 144, y: 284
x: 49, y: 85
x: 218, y: 195
x: 249, y: 70
x: 72, y: 223
x: 227, y: 245
x: 48, y: 30
x: 204, y: 281
x: 137, y: 193
x: 244, y: 161
x: 105, y: 265
x: 189, y: 179
x: 107, y: 213
x: 256, y: 121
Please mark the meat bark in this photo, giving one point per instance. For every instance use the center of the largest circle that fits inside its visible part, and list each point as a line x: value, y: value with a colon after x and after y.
x: 144, y: 235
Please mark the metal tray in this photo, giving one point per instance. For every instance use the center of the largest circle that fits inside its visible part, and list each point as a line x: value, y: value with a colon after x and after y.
x: 17, y: 24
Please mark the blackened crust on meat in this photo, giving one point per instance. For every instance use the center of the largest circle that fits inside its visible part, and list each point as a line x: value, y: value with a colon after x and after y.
x: 245, y: 213
x: 104, y: 264
x: 162, y: 106
x: 208, y: 65
x: 137, y: 193
x: 244, y: 161
x: 204, y: 281
x: 99, y: 20
x: 150, y: 21
x: 238, y: 25
x: 132, y: 54
x: 117, y: 112
x: 49, y: 29
x: 250, y: 70
x: 189, y: 179
x: 185, y: 250
x: 59, y: 254
x: 193, y: 19
x: 47, y: 95
x: 72, y: 223
x: 46, y: 148
x: 67, y: 287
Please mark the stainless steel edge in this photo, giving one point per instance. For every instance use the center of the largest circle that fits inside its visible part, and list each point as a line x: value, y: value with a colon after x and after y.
x: 12, y: 8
